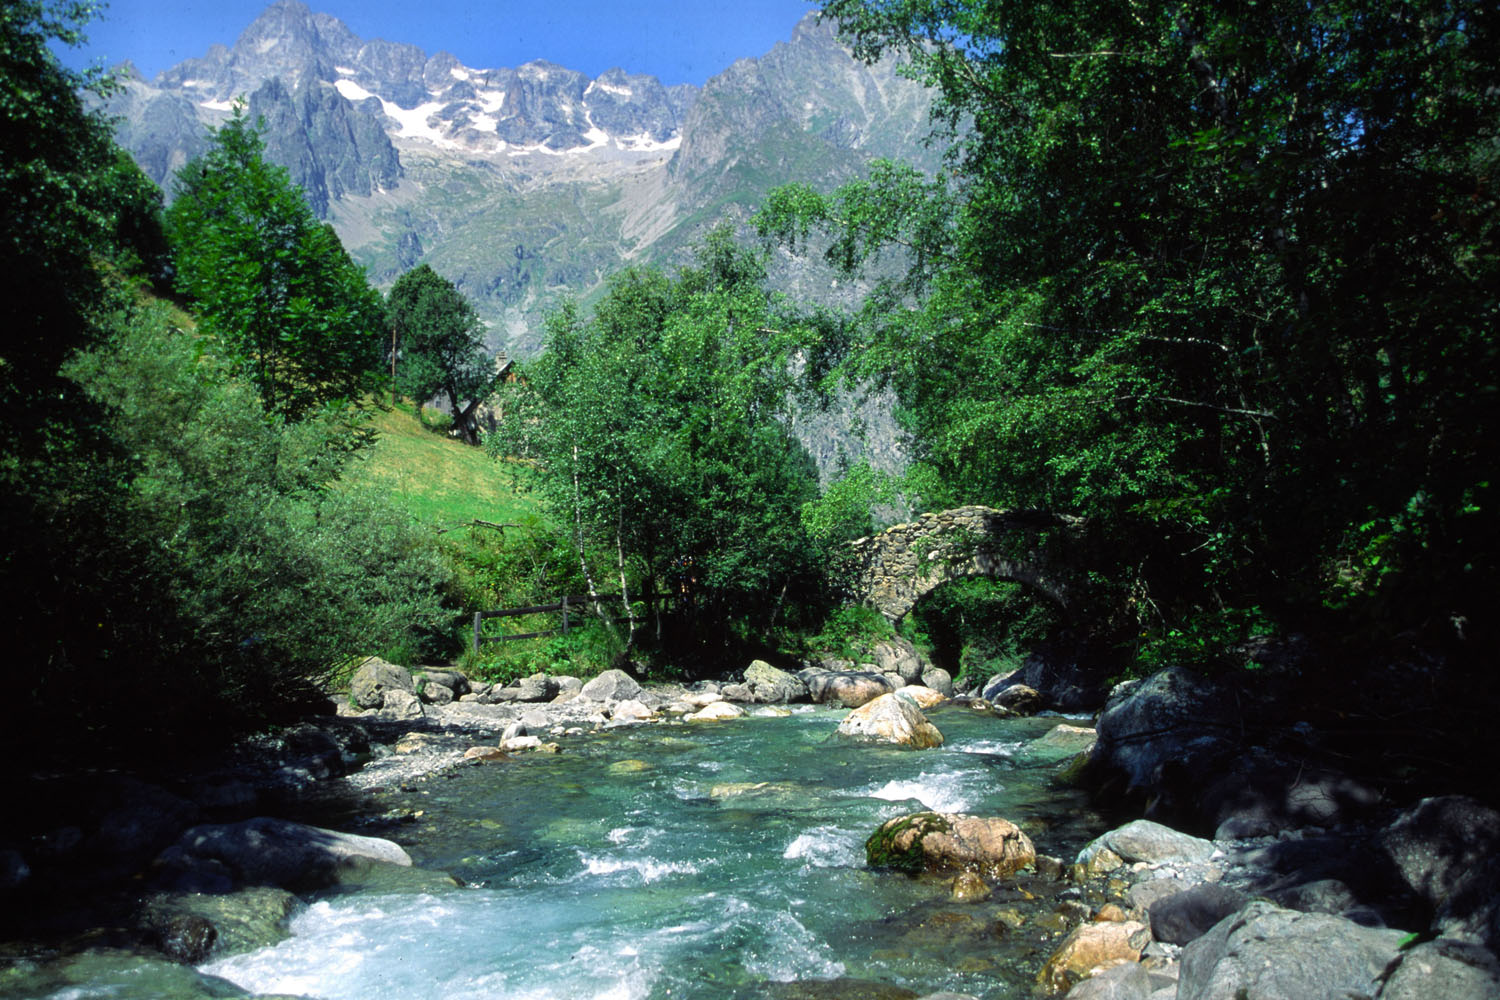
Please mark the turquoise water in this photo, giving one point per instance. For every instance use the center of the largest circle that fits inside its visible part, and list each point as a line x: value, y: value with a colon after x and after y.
x: 683, y: 862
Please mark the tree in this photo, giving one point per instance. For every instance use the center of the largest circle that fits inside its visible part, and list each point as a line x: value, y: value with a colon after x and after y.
x: 658, y: 424
x: 441, y: 345
x: 1220, y: 279
x: 272, y: 283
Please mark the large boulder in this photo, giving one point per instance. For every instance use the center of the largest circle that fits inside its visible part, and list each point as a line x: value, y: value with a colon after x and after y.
x: 939, y: 680
x: 399, y: 704
x: 1160, y: 739
x: 898, y: 656
x: 368, y: 686
x: 1186, y: 916
x: 612, y: 685
x: 277, y: 852
x: 769, y: 684
x: 930, y: 841
x: 1125, y: 981
x: 891, y: 718
x: 1090, y: 946
x: 1444, y: 849
x: 1266, y: 951
x: 539, y: 687
x: 1144, y: 840
x: 1452, y: 970
x: 850, y: 688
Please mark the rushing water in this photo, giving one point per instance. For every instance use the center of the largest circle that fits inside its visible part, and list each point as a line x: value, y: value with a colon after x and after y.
x: 681, y: 862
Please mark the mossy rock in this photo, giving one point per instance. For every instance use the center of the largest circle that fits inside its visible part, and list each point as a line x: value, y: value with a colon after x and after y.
x: 898, y: 842
x: 950, y: 842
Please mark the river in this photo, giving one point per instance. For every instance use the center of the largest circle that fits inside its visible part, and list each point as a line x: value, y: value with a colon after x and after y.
x: 715, y: 860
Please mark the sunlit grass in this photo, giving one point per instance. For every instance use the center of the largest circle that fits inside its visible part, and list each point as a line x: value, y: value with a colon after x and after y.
x: 440, y: 480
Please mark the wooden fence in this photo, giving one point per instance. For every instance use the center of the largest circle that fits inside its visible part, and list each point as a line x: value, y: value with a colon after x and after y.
x: 565, y: 605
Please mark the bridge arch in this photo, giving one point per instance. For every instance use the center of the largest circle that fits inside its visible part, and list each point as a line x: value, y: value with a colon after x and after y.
x: 895, y: 568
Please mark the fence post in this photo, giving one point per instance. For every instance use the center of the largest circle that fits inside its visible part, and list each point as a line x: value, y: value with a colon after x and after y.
x: 565, y: 615
x: 477, y: 619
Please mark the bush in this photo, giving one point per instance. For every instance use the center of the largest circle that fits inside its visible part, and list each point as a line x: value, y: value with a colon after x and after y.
x: 255, y: 575
x: 850, y: 632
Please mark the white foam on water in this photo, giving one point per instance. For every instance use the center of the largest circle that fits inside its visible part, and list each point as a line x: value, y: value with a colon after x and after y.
x: 649, y: 869
x: 826, y: 847
x: 996, y: 748
x: 942, y: 791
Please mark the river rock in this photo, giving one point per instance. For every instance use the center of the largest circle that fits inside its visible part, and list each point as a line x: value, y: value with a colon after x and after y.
x: 630, y: 710
x: 189, y: 927
x: 848, y: 688
x: 567, y: 685
x: 939, y: 680
x: 400, y: 704
x: 891, y: 718
x: 1090, y: 946
x: 1019, y: 698
x: 1153, y: 843
x: 1161, y: 739
x: 612, y: 685
x: 770, y: 684
x: 276, y: 852
x: 539, y: 687
x: 925, y: 697
x: 1067, y: 739
x: 1186, y: 916
x: 1266, y: 951
x: 968, y: 887
x: 737, y: 692
x: 900, y: 657
x: 1125, y: 981
x: 1445, y: 850
x: 931, y: 841
x: 716, y: 712
x: 1445, y: 968
x: 436, y: 694
x: 375, y: 677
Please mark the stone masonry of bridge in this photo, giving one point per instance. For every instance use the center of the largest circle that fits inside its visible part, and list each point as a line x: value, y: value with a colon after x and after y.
x: 895, y: 568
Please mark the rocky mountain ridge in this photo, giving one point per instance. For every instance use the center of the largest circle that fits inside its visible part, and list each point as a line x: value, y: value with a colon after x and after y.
x: 530, y: 185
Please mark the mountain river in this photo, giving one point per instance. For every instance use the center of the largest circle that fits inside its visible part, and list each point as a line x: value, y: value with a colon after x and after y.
x: 719, y: 860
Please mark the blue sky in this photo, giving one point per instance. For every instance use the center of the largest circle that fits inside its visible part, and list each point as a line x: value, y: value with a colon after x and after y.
x: 680, y: 41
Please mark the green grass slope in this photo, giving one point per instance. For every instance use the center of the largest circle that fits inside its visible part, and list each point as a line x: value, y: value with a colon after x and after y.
x: 439, y: 480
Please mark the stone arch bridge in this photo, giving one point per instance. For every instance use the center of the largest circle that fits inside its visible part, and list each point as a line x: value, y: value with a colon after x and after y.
x: 893, y: 569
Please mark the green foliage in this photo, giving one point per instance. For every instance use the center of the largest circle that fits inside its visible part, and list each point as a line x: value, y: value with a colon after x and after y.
x: 278, y: 578
x: 849, y: 632
x: 843, y: 512
x: 76, y: 210
x: 441, y: 344
x: 656, y: 424
x: 273, y: 285
x: 1220, y: 280
x: 586, y: 651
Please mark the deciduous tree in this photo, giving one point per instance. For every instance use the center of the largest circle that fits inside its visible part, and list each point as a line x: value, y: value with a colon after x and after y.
x: 272, y: 283
x: 440, y: 339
